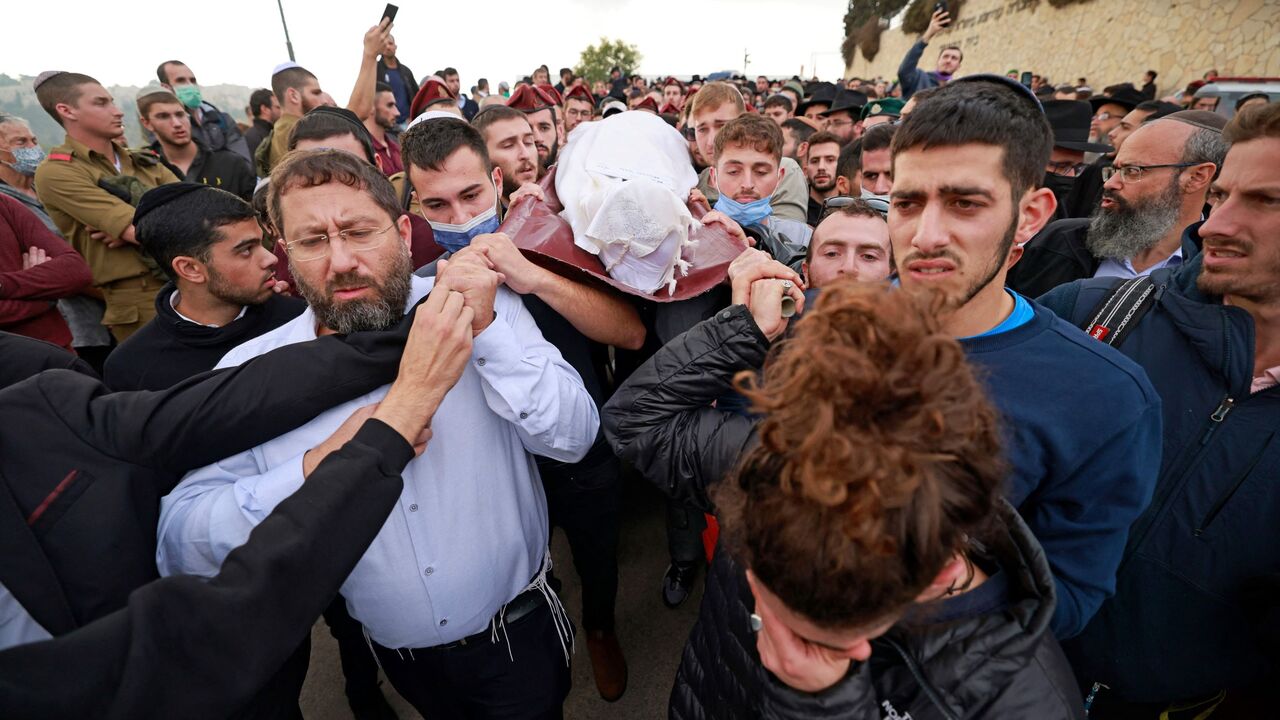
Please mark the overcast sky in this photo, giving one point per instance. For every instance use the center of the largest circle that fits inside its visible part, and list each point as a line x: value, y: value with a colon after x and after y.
x: 239, y: 41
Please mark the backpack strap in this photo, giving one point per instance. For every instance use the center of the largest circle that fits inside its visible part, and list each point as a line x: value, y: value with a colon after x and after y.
x: 1119, y: 312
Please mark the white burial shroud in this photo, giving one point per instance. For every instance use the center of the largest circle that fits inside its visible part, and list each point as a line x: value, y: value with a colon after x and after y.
x: 623, y: 182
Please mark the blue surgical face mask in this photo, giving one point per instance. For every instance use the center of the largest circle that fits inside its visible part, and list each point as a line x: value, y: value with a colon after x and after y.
x: 26, y: 159
x: 455, y: 237
x: 747, y: 214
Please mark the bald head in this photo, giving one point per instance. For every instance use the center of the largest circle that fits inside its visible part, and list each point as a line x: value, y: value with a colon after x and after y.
x: 1155, y: 143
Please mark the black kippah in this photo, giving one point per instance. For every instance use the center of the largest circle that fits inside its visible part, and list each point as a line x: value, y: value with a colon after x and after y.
x: 357, y: 127
x: 163, y: 195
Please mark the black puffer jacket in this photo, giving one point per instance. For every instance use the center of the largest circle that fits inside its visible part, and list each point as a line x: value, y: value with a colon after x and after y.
x: 998, y: 665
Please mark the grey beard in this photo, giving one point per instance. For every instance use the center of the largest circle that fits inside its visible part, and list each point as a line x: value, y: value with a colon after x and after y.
x: 1125, y: 231
x: 377, y: 313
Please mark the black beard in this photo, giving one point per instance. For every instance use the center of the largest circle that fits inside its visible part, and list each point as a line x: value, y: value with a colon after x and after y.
x: 1131, y: 228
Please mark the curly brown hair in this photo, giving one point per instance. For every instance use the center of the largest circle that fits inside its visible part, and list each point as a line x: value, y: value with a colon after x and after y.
x: 879, y: 457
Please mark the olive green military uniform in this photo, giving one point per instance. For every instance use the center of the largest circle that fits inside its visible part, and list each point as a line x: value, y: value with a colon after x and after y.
x: 275, y: 146
x: 67, y: 184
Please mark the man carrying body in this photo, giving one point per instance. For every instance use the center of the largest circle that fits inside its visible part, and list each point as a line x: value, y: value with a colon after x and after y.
x: 911, y: 78
x: 455, y: 182
x: 511, y: 147
x: 714, y: 106
x: 164, y: 116
x: 221, y: 289
x: 1190, y: 630
x: 68, y: 184
x: 1154, y: 193
x: 746, y: 172
x: 213, y: 128
x: 539, y: 107
x: 1084, y: 421
x: 822, y: 154
x: 464, y: 555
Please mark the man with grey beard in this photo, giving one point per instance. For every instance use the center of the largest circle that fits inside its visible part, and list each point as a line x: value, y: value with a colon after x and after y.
x: 1152, y: 200
x: 456, y: 581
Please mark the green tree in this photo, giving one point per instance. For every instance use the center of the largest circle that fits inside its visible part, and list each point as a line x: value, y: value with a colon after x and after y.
x: 597, y: 60
x: 861, y: 26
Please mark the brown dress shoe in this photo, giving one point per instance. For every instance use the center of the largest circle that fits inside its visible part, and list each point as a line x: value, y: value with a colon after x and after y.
x: 607, y: 664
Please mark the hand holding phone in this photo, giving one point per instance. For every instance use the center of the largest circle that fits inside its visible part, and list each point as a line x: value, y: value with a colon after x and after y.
x: 389, y: 13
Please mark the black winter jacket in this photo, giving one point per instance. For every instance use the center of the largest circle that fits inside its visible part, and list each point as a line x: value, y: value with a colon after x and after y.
x: 1001, y: 665
x: 195, y: 648
x: 82, y: 471
x: 1195, y: 609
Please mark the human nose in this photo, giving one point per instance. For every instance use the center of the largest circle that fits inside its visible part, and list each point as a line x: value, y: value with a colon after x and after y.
x: 931, y: 233
x: 266, y: 257
x: 1114, y: 182
x: 1222, y: 221
x: 882, y: 185
x: 341, y: 258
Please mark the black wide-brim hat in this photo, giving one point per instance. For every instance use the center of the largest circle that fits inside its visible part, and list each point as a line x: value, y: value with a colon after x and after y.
x: 1126, y: 96
x: 822, y: 94
x: 850, y: 100
x: 1070, y: 122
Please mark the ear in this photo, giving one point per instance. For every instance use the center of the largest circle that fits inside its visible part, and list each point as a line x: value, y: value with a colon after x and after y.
x: 377, y: 161
x: 952, y: 574
x: 190, y: 269
x: 1034, y: 212
x: 802, y: 151
x: 167, y: 86
x: 712, y: 180
x: 782, y: 172
x: 842, y: 185
x: 405, y: 227
x: 291, y: 95
x: 65, y: 111
x: 1197, y: 179
x: 145, y: 123
x: 496, y: 176
x: 804, y: 272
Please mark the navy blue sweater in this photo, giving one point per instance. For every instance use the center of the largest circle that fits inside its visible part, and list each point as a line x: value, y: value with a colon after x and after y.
x: 1083, y: 439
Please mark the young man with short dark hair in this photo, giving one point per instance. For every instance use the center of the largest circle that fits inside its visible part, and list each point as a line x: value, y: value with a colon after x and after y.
x: 851, y: 241
x: 911, y: 78
x: 510, y: 142
x: 221, y: 291
x: 457, y: 183
x: 264, y: 109
x: 213, y: 128
x: 380, y: 124
x: 875, y: 163
x: 778, y: 108
x: 715, y: 105
x: 822, y: 153
x: 96, y: 221
x: 746, y: 170
x: 1083, y: 420
x: 162, y: 114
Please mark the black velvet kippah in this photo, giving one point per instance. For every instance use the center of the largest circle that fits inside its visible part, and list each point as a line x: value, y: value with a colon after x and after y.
x: 163, y: 195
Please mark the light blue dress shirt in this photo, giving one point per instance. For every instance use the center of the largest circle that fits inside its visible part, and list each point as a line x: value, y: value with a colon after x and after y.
x: 470, y: 529
x: 17, y: 627
x: 1112, y: 268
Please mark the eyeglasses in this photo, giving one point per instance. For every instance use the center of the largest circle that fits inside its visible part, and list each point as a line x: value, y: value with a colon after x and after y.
x: 1133, y: 173
x: 318, y: 246
x: 1066, y: 168
x: 842, y: 201
x: 838, y: 123
x: 1102, y: 116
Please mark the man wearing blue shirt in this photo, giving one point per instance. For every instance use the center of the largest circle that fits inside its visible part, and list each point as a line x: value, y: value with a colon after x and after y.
x: 1083, y: 422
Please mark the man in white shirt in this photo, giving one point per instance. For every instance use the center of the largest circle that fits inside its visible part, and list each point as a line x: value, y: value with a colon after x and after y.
x: 452, y: 593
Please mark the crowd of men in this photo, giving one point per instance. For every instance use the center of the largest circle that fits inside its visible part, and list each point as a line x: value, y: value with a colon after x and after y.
x: 1014, y: 456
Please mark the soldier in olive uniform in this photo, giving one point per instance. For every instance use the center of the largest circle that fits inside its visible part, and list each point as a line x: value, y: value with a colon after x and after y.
x: 83, y: 186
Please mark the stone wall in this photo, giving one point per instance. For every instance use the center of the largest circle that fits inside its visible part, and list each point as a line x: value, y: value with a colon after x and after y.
x: 1105, y: 41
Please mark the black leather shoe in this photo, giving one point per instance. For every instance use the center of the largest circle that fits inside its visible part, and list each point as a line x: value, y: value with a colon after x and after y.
x: 677, y: 583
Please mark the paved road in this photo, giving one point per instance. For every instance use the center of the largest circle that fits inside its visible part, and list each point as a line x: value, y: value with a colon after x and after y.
x: 651, y: 635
